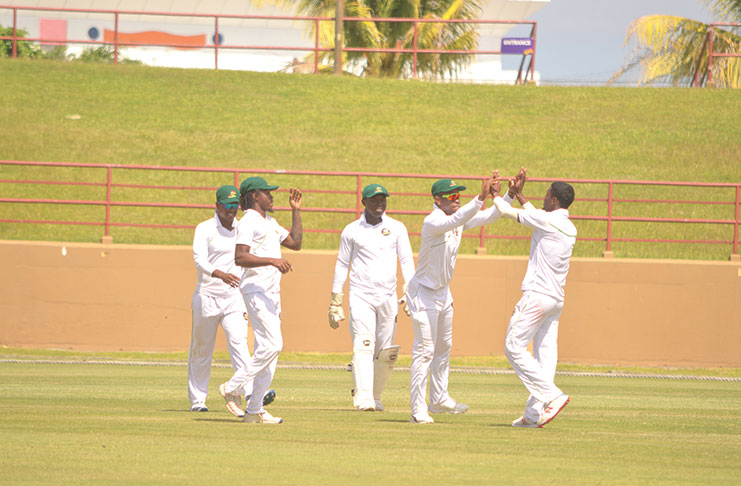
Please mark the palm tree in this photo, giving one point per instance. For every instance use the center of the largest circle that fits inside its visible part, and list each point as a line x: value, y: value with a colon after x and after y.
x: 676, y: 50
x: 399, y: 35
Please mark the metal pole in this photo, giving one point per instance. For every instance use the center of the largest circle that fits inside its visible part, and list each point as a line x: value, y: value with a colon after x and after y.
x: 115, y: 41
x: 709, y: 81
x: 532, y: 56
x: 216, y: 43
x: 236, y: 179
x: 338, y: 35
x: 15, y: 42
x: 735, y: 223
x: 108, y: 204
x: 609, y: 217
x: 316, y: 46
x: 359, y: 202
x: 415, y: 48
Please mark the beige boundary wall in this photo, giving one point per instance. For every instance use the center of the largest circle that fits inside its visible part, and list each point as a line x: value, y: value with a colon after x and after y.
x: 136, y: 297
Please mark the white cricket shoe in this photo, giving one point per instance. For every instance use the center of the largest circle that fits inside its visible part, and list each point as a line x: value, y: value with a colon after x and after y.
x: 263, y: 417
x: 233, y: 401
x: 523, y: 422
x: 551, y: 410
x: 421, y: 418
x: 449, y: 406
x: 199, y: 407
x: 379, y: 406
x: 367, y: 406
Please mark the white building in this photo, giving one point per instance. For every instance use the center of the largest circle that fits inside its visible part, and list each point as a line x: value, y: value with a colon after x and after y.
x: 199, y: 32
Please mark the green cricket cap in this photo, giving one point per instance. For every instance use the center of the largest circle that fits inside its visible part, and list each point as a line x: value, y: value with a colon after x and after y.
x: 227, y: 194
x: 374, y: 190
x: 446, y: 185
x: 254, y: 183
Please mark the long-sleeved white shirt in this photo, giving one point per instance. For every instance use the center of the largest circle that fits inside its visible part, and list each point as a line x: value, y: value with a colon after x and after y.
x: 213, y: 249
x: 441, y: 238
x: 551, y: 246
x: 263, y: 236
x: 371, y: 251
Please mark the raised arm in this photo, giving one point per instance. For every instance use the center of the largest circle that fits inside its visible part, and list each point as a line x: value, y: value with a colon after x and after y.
x: 442, y: 224
x: 296, y: 235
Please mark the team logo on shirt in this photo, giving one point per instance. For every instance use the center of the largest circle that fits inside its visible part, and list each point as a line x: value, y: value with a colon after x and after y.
x: 246, y: 317
x: 385, y: 231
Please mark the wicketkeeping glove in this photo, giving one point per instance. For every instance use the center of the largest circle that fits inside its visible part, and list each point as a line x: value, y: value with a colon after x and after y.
x: 336, y: 313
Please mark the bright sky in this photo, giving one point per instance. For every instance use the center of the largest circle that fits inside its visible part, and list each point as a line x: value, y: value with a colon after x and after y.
x: 581, y: 41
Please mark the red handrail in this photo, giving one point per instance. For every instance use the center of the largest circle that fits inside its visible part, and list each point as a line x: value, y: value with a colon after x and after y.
x: 415, y: 51
x: 712, y: 54
x: 356, y: 211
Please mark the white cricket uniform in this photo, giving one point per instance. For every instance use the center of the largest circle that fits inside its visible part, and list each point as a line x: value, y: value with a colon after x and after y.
x: 214, y: 301
x: 372, y: 251
x: 536, y: 314
x: 431, y: 302
x: 260, y: 287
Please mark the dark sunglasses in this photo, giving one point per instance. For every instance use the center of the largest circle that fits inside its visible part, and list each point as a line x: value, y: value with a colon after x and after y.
x: 451, y: 197
x: 230, y: 205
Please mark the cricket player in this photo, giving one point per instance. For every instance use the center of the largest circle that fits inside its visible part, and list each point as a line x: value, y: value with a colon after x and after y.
x: 217, y: 298
x: 535, y: 317
x: 371, y: 246
x: 259, y: 238
x: 429, y: 298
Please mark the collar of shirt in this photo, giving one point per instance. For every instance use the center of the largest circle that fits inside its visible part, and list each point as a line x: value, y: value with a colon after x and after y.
x: 365, y: 221
x: 219, y: 225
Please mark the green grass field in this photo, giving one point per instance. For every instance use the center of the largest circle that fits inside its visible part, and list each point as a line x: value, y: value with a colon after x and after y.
x: 90, y: 424
x: 174, y: 117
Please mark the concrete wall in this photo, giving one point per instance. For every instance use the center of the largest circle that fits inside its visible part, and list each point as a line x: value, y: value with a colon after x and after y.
x: 126, y: 297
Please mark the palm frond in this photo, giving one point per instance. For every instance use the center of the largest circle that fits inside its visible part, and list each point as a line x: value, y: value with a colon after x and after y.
x: 728, y: 10
x: 676, y: 50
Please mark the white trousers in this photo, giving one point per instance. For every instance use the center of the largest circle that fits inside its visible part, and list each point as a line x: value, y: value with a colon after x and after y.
x: 432, y: 317
x: 207, y: 312
x: 535, y: 319
x: 375, y: 322
x: 264, y: 312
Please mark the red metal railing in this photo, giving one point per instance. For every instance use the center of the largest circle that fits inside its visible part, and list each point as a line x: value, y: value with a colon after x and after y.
x: 355, y: 189
x: 316, y: 49
x: 712, y: 54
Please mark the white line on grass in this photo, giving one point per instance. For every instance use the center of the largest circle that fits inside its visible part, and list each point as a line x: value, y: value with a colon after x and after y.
x: 471, y: 371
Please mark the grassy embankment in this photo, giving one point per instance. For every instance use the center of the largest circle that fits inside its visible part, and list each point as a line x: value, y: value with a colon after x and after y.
x: 172, y: 117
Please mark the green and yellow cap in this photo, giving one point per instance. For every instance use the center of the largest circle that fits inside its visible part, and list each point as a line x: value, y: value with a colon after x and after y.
x: 374, y: 190
x: 446, y: 185
x: 254, y: 183
x: 227, y: 195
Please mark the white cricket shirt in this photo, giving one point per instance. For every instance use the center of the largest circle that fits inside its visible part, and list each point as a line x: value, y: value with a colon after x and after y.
x: 213, y: 249
x: 263, y: 236
x: 372, y: 252
x: 441, y: 238
x: 552, y: 243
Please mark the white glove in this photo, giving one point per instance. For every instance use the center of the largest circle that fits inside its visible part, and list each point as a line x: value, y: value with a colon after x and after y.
x: 403, y: 301
x: 336, y: 313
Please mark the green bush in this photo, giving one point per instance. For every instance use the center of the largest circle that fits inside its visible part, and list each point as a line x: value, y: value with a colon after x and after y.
x: 23, y: 48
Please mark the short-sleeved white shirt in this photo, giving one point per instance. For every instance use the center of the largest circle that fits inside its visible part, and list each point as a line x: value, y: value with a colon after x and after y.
x: 551, y: 246
x: 213, y: 249
x: 263, y: 236
x: 372, y: 251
